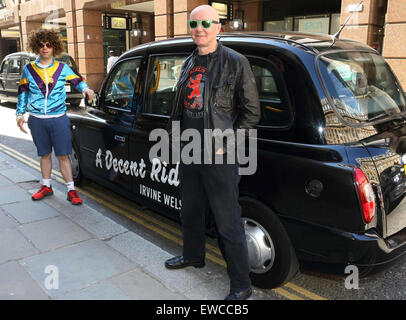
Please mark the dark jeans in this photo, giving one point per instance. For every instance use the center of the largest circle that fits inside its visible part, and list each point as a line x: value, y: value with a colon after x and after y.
x: 214, y: 187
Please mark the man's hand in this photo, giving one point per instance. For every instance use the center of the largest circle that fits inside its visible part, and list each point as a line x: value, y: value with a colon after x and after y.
x: 89, y: 93
x: 220, y: 151
x: 20, y: 124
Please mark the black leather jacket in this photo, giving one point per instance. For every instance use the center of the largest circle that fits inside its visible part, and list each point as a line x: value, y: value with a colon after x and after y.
x: 230, y: 94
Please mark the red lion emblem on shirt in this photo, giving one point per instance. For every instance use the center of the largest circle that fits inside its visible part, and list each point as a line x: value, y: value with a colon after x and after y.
x: 195, y: 85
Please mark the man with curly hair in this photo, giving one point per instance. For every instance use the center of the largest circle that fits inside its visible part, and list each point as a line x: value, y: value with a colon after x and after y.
x: 42, y: 93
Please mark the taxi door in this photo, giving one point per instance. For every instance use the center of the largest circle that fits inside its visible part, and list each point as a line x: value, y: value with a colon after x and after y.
x: 3, y: 77
x: 105, y: 142
x: 13, y: 78
x: 160, y: 181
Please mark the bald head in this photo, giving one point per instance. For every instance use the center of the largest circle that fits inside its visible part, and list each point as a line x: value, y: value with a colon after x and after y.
x: 205, y: 35
x: 205, y: 10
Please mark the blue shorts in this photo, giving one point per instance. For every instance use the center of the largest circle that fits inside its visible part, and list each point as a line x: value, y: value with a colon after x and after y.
x: 51, y: 132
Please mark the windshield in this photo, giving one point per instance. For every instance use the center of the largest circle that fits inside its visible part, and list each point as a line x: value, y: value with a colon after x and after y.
x: 361, y: 85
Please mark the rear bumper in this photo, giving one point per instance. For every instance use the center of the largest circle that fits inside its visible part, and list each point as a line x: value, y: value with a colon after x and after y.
x: 318, y: 244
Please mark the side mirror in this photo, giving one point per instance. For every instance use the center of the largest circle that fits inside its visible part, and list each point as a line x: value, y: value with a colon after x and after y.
x: 94, y: 103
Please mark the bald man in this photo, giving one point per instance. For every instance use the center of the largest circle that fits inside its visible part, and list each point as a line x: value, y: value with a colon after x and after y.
x: 216, y: 90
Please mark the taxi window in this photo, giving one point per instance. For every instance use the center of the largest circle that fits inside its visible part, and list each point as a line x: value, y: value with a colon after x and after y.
x: 119, y: 91
x: 25, y: 61
x: 4, y: 68
x: 275, y: 111
x: 15, y: 64
x: 162, y: 81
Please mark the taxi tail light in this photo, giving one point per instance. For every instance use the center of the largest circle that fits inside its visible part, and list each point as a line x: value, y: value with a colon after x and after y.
x: 366, y: 195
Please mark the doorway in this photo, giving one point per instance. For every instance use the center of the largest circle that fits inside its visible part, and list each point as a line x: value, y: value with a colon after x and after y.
x: 113, y: 40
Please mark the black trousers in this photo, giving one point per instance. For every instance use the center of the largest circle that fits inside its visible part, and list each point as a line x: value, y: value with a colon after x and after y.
x: 214, y: 187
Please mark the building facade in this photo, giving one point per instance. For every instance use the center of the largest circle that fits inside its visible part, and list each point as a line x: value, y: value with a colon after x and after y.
x: 91, y: 28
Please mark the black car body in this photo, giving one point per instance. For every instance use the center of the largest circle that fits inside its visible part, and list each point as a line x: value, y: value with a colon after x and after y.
x: 12, y: 67
x: 330, y: 181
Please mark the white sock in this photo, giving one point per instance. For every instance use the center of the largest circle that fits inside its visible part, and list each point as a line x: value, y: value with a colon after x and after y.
x: 46, y: 182
x: 70, y: 186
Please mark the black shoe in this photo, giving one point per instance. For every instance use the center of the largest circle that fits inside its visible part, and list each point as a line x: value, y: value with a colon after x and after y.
x: 179, y: 263
x: 240, y: 295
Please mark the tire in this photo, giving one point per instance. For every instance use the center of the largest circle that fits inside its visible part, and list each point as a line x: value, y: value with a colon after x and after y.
x: 272, y: 258
x: 77, y: 174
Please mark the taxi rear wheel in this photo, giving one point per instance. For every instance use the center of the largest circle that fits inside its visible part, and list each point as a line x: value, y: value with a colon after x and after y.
x: 76, y: 168
x: 272, y: 258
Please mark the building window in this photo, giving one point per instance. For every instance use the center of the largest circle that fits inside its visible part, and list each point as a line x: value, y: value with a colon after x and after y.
x: 224, y: 9
x: 326, y: 23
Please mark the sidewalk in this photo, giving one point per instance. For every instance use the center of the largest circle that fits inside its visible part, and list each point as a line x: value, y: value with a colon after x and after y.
x: 87, y: 255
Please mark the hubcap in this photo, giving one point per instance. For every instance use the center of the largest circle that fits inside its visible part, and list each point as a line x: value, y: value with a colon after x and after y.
x: 261, y: 250
x: 75, y: 164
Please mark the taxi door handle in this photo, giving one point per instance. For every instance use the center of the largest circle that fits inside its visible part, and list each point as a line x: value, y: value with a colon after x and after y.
x: 119, y: 138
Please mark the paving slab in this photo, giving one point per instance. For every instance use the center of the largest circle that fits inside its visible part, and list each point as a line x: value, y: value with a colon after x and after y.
x: 6, y: 221
x: 12, y: 193
x: 4, y: 164
x: 79, y: 266
x: 95, y: 257
x: 57, y: 201
x: 27, y: 211
x: 16, y: 284
x: 14, y: 246
x: 99, y: 291
x: 152, y: 289
x: 91, y: 220
x: 151, y: 258
x: 54, y: 233
x: 105, y: 229
x: 4, y: 182
x: 18, y: 175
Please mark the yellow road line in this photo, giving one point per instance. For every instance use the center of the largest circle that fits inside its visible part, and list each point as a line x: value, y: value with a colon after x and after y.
x: 20, y: 159
x: 23, y: 156
x: 304, y: 292
x: 35, y: 165
x: 287, y: 294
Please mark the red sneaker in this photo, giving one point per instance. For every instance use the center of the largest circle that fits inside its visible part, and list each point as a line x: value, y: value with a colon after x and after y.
x: 74, y: 197
x: 42, y: 192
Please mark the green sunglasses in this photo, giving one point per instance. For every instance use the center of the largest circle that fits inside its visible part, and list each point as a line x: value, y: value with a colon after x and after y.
x: 204, y: 23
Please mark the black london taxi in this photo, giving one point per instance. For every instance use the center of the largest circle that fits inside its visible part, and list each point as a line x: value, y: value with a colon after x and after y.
x: 330, y: 183
x: 12, y: 67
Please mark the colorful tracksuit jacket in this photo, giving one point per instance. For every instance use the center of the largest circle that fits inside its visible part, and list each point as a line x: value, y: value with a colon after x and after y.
x: 41, y: 91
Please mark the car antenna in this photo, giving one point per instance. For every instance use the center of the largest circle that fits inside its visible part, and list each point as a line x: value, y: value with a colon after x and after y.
x: 337, y: 34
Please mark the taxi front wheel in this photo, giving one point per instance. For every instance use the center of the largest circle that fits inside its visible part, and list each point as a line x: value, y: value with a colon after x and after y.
x: 272, y: 258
